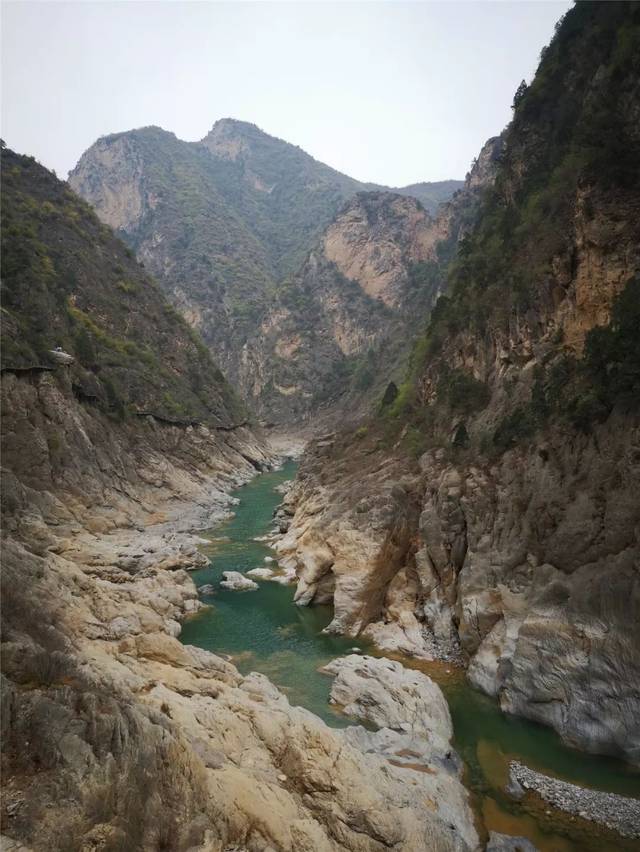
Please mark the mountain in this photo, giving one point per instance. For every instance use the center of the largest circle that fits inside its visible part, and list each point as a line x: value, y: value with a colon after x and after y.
x: 341, y: 329
x: 489, y: 512
x: 224, y: 224
x: 430, y: 195
x: 68, y: 282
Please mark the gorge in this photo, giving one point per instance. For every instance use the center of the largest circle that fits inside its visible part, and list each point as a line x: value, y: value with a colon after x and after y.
x: 408, y: 419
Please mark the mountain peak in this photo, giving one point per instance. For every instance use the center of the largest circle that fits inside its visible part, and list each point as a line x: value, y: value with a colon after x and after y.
x: 234, y: 125
x: 229, y: 137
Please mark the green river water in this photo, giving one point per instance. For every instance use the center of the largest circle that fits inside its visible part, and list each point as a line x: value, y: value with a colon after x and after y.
x: 264, y: 631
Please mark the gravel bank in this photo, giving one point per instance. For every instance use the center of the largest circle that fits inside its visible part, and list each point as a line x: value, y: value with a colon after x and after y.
x: 618, y: 813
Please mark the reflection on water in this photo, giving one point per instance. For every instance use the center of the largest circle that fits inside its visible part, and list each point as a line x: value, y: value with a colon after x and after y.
x: 263, y: 631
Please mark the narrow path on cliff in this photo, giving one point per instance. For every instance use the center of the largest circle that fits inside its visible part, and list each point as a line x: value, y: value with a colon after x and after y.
x: 263, y: 631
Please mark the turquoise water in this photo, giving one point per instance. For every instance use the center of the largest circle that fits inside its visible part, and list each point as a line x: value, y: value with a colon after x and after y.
x: 263, y: 631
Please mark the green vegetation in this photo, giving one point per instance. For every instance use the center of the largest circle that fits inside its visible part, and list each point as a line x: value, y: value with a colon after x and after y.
x: 606, y: 377
x: 239, y: 214
x: 585, y: 391
x: 431, y: 195
x: 583, y: 138
x: 462, y: 392
x: 571, y: 148
x: 67, y: 281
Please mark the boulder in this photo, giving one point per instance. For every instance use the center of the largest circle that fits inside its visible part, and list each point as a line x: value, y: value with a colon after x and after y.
x: 260, y: 573
x: 508, y: 843
x: 389, y: 695
x: 237, y: 582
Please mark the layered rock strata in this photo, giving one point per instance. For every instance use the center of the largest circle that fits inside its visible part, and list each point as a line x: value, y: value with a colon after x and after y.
x: 489, y: 565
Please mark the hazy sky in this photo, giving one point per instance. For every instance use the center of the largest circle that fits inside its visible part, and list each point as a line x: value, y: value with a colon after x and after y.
x: 390, y: 92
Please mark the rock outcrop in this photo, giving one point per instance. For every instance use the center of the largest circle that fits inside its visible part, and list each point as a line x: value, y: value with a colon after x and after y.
x: 507, y: 843
x: 237, y: 582
x: 388, y: 695
x: 413, y: 730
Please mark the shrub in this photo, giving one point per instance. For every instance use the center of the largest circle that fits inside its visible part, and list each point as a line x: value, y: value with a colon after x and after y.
x: 462, y: 391
x: 516, y: 427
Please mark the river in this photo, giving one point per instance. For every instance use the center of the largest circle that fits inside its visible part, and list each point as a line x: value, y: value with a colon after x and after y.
x: 263, y: 631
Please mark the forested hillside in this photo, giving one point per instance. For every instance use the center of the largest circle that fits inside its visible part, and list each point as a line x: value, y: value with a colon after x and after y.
x: 68, y: 282
x: 227, y: 225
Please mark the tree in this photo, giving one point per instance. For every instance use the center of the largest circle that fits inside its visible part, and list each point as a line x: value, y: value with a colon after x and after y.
x: 519, y: 95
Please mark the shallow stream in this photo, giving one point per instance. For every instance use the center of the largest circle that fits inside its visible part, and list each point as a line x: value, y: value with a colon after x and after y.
x: 263, y: 631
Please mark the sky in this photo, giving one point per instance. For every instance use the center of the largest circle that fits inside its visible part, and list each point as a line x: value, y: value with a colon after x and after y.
x: 388, y: 92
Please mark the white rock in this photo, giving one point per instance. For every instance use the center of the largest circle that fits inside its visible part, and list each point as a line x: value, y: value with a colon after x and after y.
x: 172, y: 627
x: 285, y: 579
x: 237, y: 582
x: 389, y: 695
x: 124, y: 626
x: 261, y: 573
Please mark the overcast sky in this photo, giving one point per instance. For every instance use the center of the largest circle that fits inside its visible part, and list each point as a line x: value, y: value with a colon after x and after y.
x: 390, y: 92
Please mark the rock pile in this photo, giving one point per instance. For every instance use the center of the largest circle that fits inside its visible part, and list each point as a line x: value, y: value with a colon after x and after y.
x: 619, y: 813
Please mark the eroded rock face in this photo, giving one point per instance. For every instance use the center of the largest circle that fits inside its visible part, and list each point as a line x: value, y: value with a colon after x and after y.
x: 490, y: 564
x: 350, y: 561
x: 545, y: 596
x: 376, y: 238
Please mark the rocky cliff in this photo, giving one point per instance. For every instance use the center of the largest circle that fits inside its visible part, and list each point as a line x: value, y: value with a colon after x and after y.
x: 511, y: 541
x: 227, y: 226
x: 341, y: 329
x: 114, y: 734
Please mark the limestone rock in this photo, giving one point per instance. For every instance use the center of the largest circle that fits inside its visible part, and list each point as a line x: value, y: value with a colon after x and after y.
x: 508, y: 843
x: 261, y: 573
x: 237, y: 582
x: 389, y: 695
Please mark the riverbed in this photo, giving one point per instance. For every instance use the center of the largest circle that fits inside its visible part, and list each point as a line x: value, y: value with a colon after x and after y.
x: 264, y: 631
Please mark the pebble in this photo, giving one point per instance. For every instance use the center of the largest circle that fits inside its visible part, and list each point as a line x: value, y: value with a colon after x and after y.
x: 619, y: 813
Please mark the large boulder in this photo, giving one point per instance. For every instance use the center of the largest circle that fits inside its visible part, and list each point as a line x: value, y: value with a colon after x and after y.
x: 388, y: 695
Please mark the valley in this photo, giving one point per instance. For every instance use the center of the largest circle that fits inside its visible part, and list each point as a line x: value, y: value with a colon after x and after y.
x: 320, y: 524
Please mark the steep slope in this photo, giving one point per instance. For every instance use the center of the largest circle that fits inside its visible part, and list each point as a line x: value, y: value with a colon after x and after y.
x: 224, y: 224
x: 68, y: 282
x: 513, y: 543
x: 114, y: 734
x: 431, y: 195
x: 339, y: 332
